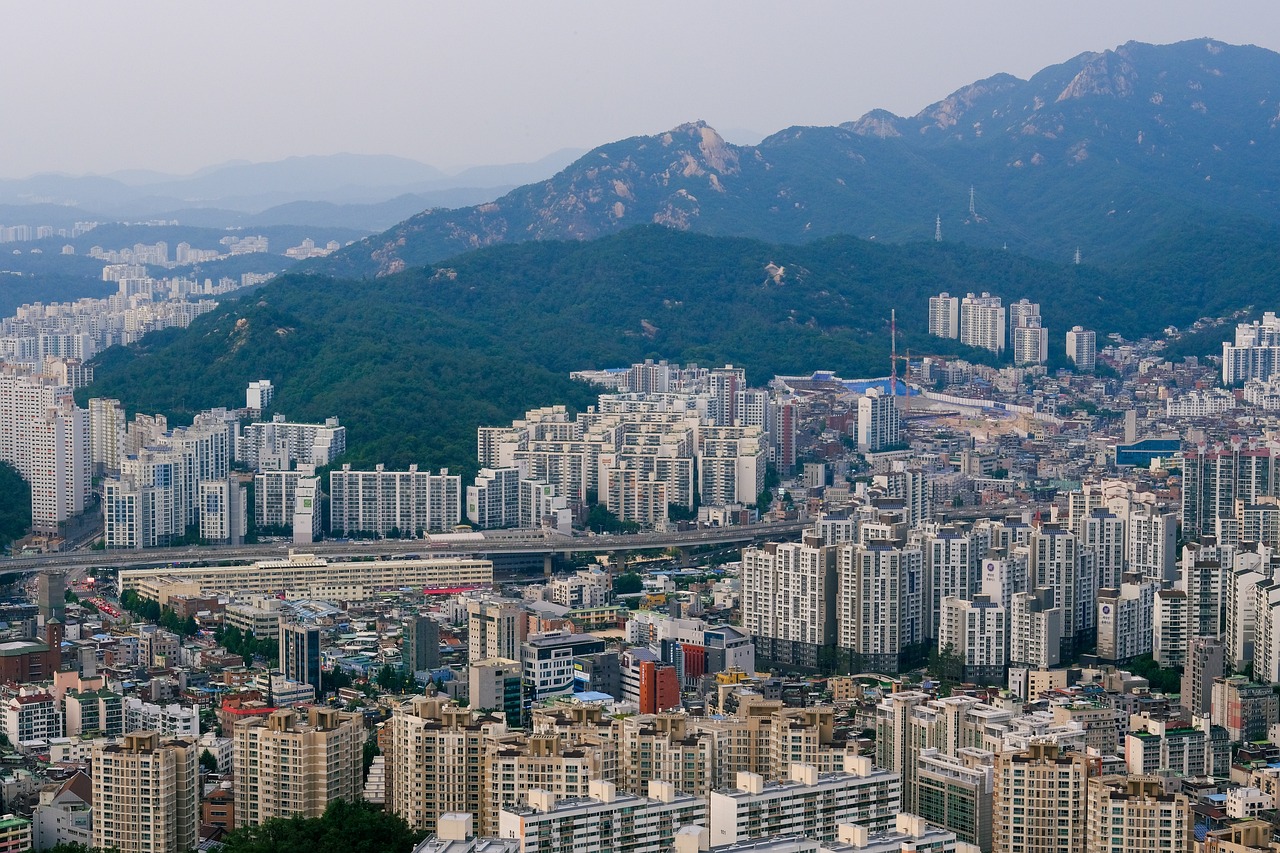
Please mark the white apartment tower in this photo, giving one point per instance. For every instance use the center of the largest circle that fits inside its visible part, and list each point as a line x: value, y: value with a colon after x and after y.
x: 789, y: 594
x: 944, y: 316
x: 494, y: 500
x: 977, y: 631
x: 881, y: 601
x: 879, y: 423
x: 1082, y: 348
x: 106, y: 435
x: 982, y: 322
x: 1030, y: 342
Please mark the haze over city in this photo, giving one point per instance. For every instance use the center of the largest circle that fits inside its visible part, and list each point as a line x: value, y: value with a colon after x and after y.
x: 176, y: 87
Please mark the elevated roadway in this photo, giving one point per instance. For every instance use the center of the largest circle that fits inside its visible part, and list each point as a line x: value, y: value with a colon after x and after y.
x: 497, y: 543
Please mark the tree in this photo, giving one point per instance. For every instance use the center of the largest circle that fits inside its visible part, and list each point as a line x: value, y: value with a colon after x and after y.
x: 209, y: 761
x: 345, y: 827
x: 627, y: 584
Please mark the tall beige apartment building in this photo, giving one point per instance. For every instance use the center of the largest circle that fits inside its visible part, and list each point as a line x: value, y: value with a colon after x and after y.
x: 1131, y: 814
x: 1041, y: 801
x: 145, y: 795
x: 287, y: 765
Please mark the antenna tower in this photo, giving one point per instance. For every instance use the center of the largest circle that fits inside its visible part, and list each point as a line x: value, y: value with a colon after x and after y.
x: 937, y: 230
x: 1077, y: 255
x: 972, y: 212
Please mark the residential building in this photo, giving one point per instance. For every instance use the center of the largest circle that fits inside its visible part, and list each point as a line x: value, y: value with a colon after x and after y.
x: 1082, y: 348
x: 789, y: 599
x: 1041, y: 800
x: 604, y: 820
x: 288, y: 765
x: 1203, y: 667
x: 496, y: 685
x: 1246, y: 709
x: 397, y: 503
x: 807, y: 803
x: 944, y: 316
x: 437, y: 760
x: 1135, y: 813
x: 495, y: 628
x: 64, y: 814
x: 145, y: 795
x: 278, y: 444
x: 494, y: 500
x: 982, y: 322
x: 881, y: 602
x: 976, y: 631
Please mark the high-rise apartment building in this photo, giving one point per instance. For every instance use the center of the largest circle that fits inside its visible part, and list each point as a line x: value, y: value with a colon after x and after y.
x: 495, y: 628
x: 879, y: 422
x: 259, y: 395
x: 1041, y: 800
x: 1255, y: 353
x: 789, y: 599
x: 278, y: 444
x: 146, y: 794
x: 881, y: 602
x: 287, y: 765
x: 977, y: 632
x: 437, y: 760
x: 1030, y: 342
x: 46, y: 438
x: 106, y: 435
x: 1130, y: 814
x: 1215, y: 476
x: 1082, y: 348
x: 1126, y: 619
x: 494, y: 500
x: 982, y: 322
x: 409, y: 502
x: 604, y: 820
x: 1205, y: 664
x: 944, y: 316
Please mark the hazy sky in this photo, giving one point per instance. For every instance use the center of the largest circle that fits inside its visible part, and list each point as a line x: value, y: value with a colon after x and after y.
x: 174, y: 86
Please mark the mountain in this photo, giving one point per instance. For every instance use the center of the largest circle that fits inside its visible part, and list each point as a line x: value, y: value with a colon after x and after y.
x: 1097, y: 153
x: 412, y: 363
x: 240, y: 192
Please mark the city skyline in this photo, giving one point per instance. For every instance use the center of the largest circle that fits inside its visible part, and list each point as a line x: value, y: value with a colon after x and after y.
x: 512, y: 84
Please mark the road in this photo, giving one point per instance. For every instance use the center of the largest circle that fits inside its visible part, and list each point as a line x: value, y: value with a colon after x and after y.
x: 502, y: 542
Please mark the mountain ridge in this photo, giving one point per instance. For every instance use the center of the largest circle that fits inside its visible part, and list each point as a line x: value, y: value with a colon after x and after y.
x: 1096, y: 151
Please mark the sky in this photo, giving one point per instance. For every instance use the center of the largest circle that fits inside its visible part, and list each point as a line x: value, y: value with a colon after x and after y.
x: 91, y: 88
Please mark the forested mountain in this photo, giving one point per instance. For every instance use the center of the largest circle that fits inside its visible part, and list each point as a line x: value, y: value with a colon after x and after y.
x: 1097, y: 153
x: 413, y: 362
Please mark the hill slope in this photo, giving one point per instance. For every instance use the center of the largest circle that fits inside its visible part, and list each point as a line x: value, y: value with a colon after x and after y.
x: 412, y: 363
x: 1102, y: 151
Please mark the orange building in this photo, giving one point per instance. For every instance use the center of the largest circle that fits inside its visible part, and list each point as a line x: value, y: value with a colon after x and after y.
x: 659, y: 687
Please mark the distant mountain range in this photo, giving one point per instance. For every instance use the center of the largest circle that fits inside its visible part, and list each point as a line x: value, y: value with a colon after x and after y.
x: 1095, y: 153
x: 348, y: 190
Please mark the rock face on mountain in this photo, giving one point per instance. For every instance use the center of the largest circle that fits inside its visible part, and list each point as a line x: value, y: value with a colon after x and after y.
x: 1100, y: 151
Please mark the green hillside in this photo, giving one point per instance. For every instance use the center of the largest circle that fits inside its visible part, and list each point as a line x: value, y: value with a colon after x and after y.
x: 412, y: 363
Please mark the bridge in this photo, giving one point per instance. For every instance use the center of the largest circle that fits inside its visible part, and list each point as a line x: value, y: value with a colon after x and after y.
x: 488, y: 544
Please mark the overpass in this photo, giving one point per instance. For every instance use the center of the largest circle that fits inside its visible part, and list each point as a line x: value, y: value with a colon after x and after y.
x: 488, y: 544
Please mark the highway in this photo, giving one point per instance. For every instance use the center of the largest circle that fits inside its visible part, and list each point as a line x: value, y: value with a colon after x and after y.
x: 500, y: 542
